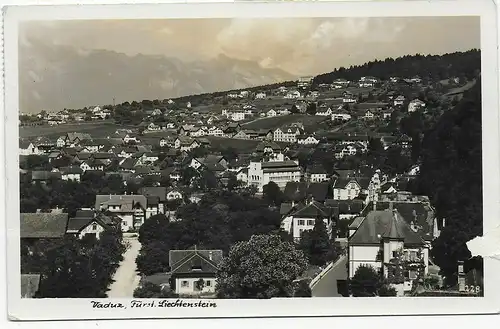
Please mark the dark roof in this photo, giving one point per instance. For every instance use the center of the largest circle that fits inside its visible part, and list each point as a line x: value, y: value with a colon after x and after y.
x: 152, y: 200
x: 43, y: 225
x: 347, y: 207
x: 71, y: 170
x: 318, y: 191
x: 419, y: 213
x: 278, y: 164
x: 316, y: 169
x: 312, y: 210
x: 388, y: 225
x: 285, y: 208
x: 44, y: 175
x: 29, y: 285
x: 184, y: 261
x: 159, y: 192
x: 128, y: 163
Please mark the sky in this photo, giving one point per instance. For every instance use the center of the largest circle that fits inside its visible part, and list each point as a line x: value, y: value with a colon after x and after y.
x: 301, y: 46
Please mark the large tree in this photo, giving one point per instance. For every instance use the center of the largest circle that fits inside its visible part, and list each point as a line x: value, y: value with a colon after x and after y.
x: 272, y: 194
x: 263, y: 267
x: 315, y: 244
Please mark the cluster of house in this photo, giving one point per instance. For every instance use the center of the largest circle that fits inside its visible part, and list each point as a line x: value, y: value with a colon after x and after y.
x: 192, y: 272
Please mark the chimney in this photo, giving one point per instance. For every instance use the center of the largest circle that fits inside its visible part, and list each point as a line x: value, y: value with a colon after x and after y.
x: 210, y: 255
x: 374, y: 205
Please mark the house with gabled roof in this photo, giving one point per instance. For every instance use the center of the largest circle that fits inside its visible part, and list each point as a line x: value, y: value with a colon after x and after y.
x: 302, y: 217
x: 307, y: 139
x: 73, y: 139
x: 287, y: 134
x: 131, y: 209
x: 316, y: 173
x: 350, y: 188
x: 26, y: 147
x: 88, y: 222
x: 382, y: 239
x: 193, y: 271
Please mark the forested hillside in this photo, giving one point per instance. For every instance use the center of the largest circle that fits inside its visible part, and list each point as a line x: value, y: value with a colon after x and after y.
x: 451, y: 175
x: 435, y: 67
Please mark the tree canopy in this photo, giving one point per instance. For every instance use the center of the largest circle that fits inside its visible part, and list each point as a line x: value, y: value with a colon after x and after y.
x: 451, y: 175
x: 263, y: 267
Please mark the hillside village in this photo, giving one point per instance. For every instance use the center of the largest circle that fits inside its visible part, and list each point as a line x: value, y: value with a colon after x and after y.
x: 332, y: 167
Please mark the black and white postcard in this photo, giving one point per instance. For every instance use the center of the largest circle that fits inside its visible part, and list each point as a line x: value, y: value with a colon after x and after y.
x: 251, y: 159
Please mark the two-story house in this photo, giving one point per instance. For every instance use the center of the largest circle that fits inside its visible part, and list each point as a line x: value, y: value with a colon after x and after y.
x: 193, y: 271
x: 385, y: 241
x: 302, y: 218
x: 131, y: 209
x: 286, y: 134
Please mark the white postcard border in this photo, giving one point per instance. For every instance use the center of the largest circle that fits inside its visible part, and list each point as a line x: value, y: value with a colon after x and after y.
x: 60, y: 309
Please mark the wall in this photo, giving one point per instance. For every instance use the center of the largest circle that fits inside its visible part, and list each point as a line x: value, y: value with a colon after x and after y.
x: 191, y: 284
x: 359, y: 255
x: 296, y: 227
x: 89, y: 230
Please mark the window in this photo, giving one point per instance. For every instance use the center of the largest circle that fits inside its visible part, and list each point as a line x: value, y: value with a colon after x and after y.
x: 184, y: 283
x: 412, y: 274
x: 413, y: 255
x: 208, y: 283
x: 94, y: 226
x: 300, y: 222
x: 394, y: 253
x: 310, y: 222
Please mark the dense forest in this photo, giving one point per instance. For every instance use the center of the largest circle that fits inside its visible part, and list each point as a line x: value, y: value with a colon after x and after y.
x: 434, y: 67
x: 451, y: 175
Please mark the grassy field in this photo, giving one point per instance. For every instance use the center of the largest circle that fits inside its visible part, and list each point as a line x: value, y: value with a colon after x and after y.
x: 96, y: 129
x: 242, y: 145
x: 278, y: 121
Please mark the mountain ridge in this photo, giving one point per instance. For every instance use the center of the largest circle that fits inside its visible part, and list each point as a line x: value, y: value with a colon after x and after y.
x: 57, y: 77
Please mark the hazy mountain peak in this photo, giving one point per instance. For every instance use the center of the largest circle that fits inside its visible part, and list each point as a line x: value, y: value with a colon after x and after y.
x: 56, y: 77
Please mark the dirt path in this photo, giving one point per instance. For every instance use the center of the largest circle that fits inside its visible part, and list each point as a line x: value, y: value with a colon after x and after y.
x: 126, y: 278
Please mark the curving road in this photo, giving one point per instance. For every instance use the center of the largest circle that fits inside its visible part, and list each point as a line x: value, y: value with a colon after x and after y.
x: 126, y: 278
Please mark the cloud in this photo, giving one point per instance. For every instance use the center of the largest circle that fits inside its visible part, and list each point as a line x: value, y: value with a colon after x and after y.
x: 297, y: 45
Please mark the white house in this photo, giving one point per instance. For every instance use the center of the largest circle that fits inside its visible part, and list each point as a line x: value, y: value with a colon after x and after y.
x: 28, y: 148
x: 271, y: 113
x: 215, y: 131
x: 86, y: 222
x: 242, y: 175
x: 293, y: 95
x: 415, y: 105
x: 326, y: 111
x: 307, y: 140
x: 349, y: 188
x: 384, y: 239
x: 174, y: 194
x: 286, y: 134
x: 72, y: 173
x: 238, y: 115
x: 341, y: 116
x: 302, y: 218
x: 198, y: 132
x: 260, y: 96
x: 399, y: 100
x: 193, y: 272
x: 279, y: 172
x: 61, y: 141
x: 349, y: 99
x: 131, y: 209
